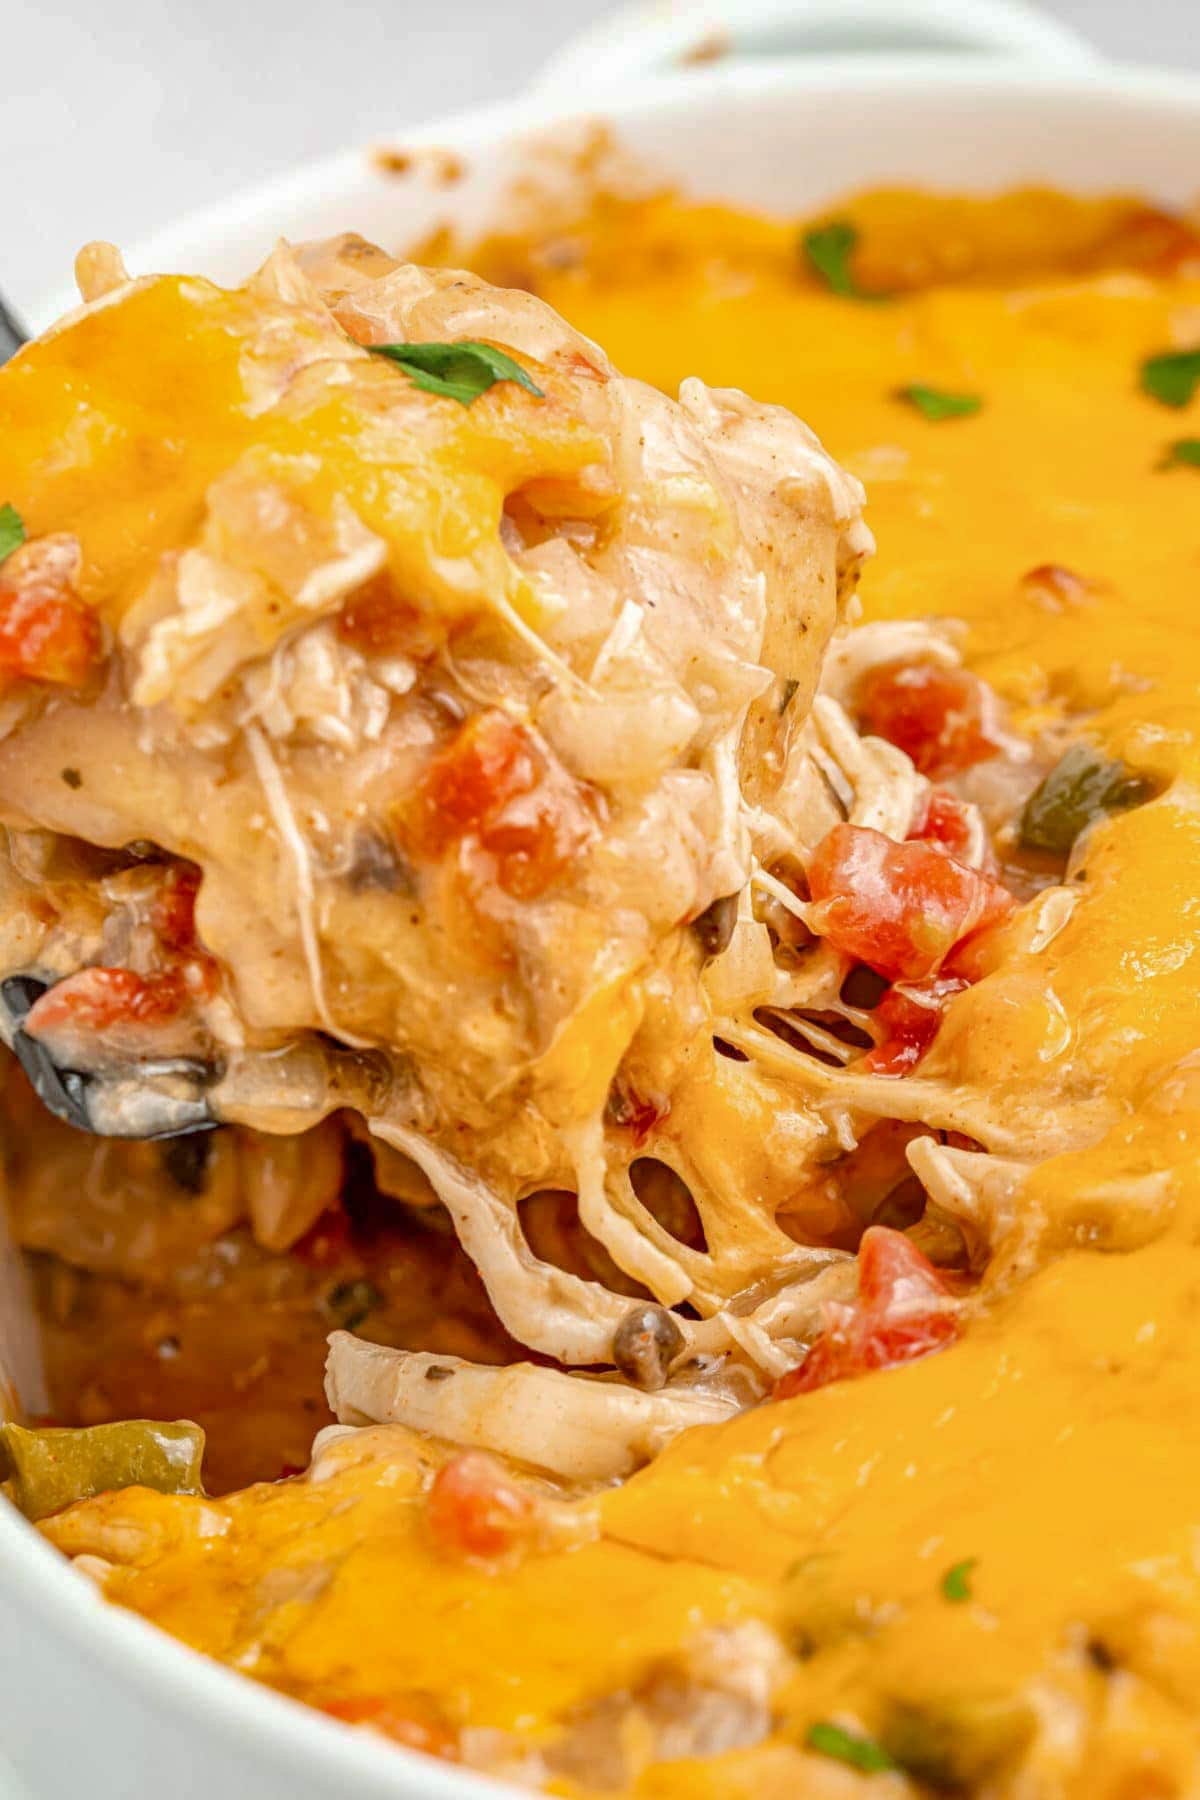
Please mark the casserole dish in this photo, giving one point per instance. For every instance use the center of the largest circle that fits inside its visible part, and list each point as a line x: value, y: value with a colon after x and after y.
x: 776, y: 132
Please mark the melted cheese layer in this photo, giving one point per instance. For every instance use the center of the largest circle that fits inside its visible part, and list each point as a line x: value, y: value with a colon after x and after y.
x: 1051, y: 1446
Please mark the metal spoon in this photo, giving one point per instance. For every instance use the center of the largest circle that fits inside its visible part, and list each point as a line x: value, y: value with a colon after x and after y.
x: 12, y: 333
x: 166, y: 1097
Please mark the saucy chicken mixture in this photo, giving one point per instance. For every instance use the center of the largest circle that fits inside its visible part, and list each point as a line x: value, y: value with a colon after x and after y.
x: 659, y: 1023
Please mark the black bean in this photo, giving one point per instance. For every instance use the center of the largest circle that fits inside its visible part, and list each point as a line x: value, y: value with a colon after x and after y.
x: 186, y: 1160
x: 863, y: 988
x: 714, y: 926
x: 377, y: 864
x: 645, y: 1344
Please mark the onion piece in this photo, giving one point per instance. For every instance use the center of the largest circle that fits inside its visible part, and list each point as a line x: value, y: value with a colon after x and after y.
x: 575, y: 1426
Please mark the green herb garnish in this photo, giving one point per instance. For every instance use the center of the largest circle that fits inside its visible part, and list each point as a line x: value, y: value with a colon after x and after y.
x: 12, y: 530
x: 956, y: 1582
x: 1173, y: 377
x: 349, y: 1303
x: 937, y: 404
x: 1081, y: 788
x: 848, y: 1747
x: 1184, y: 453
x: 828, y: 249
x: 457, y: 371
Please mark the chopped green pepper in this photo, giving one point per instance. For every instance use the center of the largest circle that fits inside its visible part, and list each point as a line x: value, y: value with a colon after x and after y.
x: 956, y: 1743
x: 49, y: 1467
x: 1080, y: 788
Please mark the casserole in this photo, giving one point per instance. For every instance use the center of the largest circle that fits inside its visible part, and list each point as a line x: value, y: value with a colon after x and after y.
x: 189, y: 1724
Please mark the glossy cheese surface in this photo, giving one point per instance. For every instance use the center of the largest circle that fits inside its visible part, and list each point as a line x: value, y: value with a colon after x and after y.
x: 1054, y: 1448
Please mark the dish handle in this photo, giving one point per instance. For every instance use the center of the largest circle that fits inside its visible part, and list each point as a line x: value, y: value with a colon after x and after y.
x: 652, y: 37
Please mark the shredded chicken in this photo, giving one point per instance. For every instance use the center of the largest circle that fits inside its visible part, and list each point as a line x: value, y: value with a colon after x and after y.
x: 501, y: 752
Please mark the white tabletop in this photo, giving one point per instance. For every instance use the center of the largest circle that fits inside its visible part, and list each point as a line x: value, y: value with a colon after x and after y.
x: 121, y: 114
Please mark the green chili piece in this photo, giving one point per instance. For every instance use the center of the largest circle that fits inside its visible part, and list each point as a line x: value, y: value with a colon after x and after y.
x: 954, y: 1744
x: 49, y: 1467
x: 1080, y: 788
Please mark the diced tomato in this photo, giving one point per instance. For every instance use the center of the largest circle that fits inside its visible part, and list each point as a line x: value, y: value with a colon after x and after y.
x: 94, y: 1000
x: 401, y: 1721
x: 943, y: 820
x: 46, y: 633
x: 491, y: 785
x: 534, y: 838
x: 173, y: 917
x: 489, y: 764
x: 379, y: 621
x: 475, y: 1510
x: 899, y: 908
x: 909, y: 1017
x: 903, y: 1311
x: 636, y: 1112
x: 174, y: 911
x: 943, y: 718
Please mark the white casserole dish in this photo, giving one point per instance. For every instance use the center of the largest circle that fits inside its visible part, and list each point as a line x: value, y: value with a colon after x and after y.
x: 814, y: 101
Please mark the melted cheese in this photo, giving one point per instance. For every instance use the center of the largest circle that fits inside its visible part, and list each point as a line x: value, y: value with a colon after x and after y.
x: 1061, y: 466
x: 1053, y: 1444
x: 121, y: 418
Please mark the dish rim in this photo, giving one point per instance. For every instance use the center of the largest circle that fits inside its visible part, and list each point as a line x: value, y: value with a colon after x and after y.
x: 284, y: 1733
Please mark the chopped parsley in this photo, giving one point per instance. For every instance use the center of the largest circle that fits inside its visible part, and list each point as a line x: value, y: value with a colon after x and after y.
x: 828, y: 249
x: 956, y: 1582
x: 460, y: 371
x: 12, y: 530
x: 1184, y: 453
x: 848, y: 1747
x: 1172, y: 377
x: 937, y: 403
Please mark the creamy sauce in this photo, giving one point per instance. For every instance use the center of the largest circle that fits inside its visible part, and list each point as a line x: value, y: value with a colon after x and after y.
x: 1051, y: 1447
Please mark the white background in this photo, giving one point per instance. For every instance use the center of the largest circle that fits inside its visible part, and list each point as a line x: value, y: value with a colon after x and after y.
x: 120, y: 114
